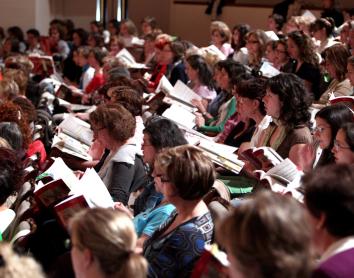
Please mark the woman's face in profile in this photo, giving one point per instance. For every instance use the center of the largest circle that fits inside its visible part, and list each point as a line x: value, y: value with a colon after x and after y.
x: 272, y: 104
x: 341, y: 149
x: 323, y: 133
x: 77, y: 258
x: 293, y: 50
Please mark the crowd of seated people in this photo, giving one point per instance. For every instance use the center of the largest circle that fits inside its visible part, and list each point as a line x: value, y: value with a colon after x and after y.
x: 289, y: 91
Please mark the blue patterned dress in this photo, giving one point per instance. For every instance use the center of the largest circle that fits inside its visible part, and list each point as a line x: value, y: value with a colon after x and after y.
x: 174, y: 254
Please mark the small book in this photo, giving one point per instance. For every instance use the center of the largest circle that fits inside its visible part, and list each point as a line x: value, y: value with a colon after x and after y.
x: 71, y: 146
x: 262, y: 158
x: 78, y: 129
x: 180, y: 115
x: 51, y: 192
x: 212, y: 263
x: 347, y: 100
x: 127, y: 59
x: 222, y: 155
x: 68, y: 93
x: 89, y: 192
x: 42, y: 65
x: 164, y: 86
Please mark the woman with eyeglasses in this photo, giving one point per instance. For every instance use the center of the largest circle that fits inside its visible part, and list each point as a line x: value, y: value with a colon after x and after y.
x: 328, y: 121
x: 103, y: 245
x: 185, y: 175
x: 282, y: 58
x: 122, y: 170
x: 343, y: 147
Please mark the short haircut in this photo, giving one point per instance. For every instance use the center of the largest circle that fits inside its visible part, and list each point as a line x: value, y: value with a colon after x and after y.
x: 188, y: 169
x: 128, y: 98
x: 119, y: 122
x: 164, y: 133
x: 99, y: 55
x: 11, y: 173
x: 329, y: 190
x: 34, y: 32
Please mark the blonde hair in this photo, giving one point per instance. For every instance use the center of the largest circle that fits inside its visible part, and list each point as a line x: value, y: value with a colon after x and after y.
x: 16, y: 266
x: 5, y: 144
x: 111, y: 237
x: 269, y: 236
x: 8, y: 89
x: 20, y: 77
x: 223, y: 30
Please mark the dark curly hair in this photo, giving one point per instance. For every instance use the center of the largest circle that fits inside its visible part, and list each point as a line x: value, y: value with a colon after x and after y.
x: 294, y: 97
x: 10, y: 112
x: 119, y: 122
x: 306, y: 47
x: 242, y: 29
x: 129, y: 98
x: 11, y: 173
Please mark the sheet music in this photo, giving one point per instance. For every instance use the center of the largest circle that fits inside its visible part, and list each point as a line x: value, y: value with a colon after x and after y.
x: 183, y: 92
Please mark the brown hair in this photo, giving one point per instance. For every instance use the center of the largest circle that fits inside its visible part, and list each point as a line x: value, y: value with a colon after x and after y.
x: 10, y: 112
x: 8, y: 89
x: 20, y: 77
x: 262, y: 39
x: 338, y: 56
x: 119, y: 122
x: 188, y: 169
x: 111, y: 238
x: 222, y: 29
x: 128, y: 97
x: 269, y: 236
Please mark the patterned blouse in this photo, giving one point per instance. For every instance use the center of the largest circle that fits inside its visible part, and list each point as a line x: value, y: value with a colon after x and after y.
x: 174, y: 254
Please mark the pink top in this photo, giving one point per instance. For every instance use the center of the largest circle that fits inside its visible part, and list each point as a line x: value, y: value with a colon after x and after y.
x: 204, y: 92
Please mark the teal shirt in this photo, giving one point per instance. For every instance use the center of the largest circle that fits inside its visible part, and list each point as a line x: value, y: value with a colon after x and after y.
x: 148, y: 221
x: 231, y: 109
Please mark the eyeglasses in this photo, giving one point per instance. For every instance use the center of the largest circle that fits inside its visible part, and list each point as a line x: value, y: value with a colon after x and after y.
x: 319, y: 129
x: 337, y: 145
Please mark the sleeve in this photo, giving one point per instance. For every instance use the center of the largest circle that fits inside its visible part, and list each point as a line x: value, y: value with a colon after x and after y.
x: 178, y: 73
x: 231, y: 109
x: 121, y: 180
x: 155, y: 221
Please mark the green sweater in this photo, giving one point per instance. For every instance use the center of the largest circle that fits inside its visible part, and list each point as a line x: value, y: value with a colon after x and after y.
x: 231, y: 109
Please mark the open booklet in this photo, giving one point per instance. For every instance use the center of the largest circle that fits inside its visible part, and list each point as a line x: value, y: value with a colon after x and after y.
x: 90, y: 191
x: 74, y: 138
x: 262, y: 158
x: 42, y: 65
x: 127, y: 59
x: 180, y: 115
x: 284, y: 178
x: 179, y: 92
x: 222, y: 155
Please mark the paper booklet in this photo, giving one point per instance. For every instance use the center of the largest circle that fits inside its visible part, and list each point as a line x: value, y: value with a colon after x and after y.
x: 71, y: 146
x: 272, y: 36
x: 180, y: 115
x: 268, y: 70
x: 262, y: 158
x: 89, y: 192
x: 181, y: 92
x: 222, y: 155
x: 42, y: 65
x: 127, y: 59
x: 164, y: 86
x: 76, y: 128
x: 59, y: 170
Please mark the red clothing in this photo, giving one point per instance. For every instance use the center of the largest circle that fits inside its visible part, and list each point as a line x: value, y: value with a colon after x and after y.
x: 96, y: 82
x: 37, y: 147
x: 156, y: 75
